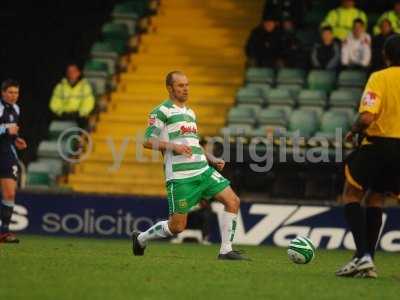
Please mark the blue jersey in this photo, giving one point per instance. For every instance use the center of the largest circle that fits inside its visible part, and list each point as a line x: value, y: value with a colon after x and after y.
x: 9, y: 115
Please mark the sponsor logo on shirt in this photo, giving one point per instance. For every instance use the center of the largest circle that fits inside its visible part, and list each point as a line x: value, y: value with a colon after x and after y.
x: 188, y: 129
x: 369, y: 99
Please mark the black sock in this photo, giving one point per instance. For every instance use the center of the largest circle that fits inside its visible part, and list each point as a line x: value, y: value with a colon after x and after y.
x: 374, y: 223
x: 5, y: 217
x: 355, y: 218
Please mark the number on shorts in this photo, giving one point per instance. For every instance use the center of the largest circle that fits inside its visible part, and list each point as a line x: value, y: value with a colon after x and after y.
x: 15, y: 170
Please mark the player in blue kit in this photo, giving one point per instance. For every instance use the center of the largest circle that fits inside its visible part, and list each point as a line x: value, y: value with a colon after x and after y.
x: 9, y: 143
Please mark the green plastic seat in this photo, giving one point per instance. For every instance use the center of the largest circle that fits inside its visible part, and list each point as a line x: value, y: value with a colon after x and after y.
x: 349, y: 112
x: 272, y: 117
x: 321, y: 80
x: 268, y: 130
x: 129, y: 23
x: 99, y: 85
x: 237, y: 130
x: 344, y: 98
x: 56, y: 128
x: 305, y: 121
x: 290, y: 76
x: 312, y: 98
x: 260, y: 75
x: 115, y: 31
x: 37, y: 179
x: 331, y: 122
x: 352, y: 78
x: 96, y: 68
x: 241, y: 115
x: 130, y: 10
x: 53, y: 167
x: 294, y: 89
x: 248, y: 95
x: 280, y: 97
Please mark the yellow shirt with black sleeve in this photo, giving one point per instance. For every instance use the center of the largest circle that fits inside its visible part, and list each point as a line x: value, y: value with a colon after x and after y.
x: 69, y: 98
x: 382, y: 97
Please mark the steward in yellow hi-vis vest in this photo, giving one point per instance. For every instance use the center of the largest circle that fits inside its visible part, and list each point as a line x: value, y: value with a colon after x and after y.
x: 373, y: 170
x: 341, y: 19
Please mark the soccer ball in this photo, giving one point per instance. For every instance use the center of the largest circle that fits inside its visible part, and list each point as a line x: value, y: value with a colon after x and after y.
x: 301, y: 250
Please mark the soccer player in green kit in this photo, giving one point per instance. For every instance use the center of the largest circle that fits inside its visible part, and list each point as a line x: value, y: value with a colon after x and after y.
x: 189, y: 170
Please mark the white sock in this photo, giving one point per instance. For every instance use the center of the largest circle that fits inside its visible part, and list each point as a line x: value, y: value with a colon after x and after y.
x: 157, y: 231
x: 227, y: 231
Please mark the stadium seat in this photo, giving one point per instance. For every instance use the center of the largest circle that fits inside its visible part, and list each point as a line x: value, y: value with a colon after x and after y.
x: 266, y: 130
x: 132, y: 10
x: 272, y: 117
x: 58, y: 127
x: 280, y: 97
x: 96, y: 68
x: 237, y: 130
x: 312, y: 98
x: 291, y: 76
x: 305, y: 121
x: 344, y: 98
x: 260, y: 75
x: 129, y: 23
x: 50, y: 149
x: 99, y: 85
x: 115, y: 31
x: 294, y: 89
x: 106, y: 52
x: 352, y: 78
x: 38, y: 179
x: 349, y: 112
x: 321, y: 80
x: 330, y: 122
x: 241, y: 115
x: 54, y: 167
x: 250, y: 95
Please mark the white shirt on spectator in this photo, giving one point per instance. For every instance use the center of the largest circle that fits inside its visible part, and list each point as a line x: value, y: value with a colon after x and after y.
x: 356, y: 51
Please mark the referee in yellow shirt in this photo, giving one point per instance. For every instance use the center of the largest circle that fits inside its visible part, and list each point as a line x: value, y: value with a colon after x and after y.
x: 373, y: 170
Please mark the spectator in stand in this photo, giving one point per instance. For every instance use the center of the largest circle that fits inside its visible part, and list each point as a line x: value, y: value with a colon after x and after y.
x: 326, y: 54
x: 386, y: 30
x: 284, y: 9
x: 263, y: 45
x: 73, y: 97
x: 356, y: 48
x: 341, y: 19
x: 291, y: 53
x: 393, y: 16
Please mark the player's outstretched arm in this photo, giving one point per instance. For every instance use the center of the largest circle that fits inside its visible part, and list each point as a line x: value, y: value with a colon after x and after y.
x: 217, y: 163
x: 156, y: 144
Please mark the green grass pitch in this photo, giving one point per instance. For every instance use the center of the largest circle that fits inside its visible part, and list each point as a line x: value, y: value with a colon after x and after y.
x: 77, y: 268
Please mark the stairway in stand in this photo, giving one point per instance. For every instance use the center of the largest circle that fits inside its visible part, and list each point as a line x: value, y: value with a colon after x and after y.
x: 205, y: 40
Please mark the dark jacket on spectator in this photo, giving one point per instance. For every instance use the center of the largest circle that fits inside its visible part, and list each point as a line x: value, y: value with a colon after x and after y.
x: 326, y: 57
x: 263, y: 47
x: 291, y: 53
x: 378, y: 41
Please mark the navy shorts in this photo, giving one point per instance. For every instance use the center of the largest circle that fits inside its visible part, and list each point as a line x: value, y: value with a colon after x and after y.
x: 8, y: 166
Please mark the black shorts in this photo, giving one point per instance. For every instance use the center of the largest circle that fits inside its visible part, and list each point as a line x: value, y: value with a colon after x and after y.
x: 375, y: 166
x: 8, y: 166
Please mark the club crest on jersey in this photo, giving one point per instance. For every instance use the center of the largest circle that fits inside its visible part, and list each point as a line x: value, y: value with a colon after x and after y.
x: 369, y: 99
x: 152, y: 120
x: 188, y: 129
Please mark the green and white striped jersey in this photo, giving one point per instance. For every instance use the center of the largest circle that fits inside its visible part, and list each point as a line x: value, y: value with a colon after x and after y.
x: 171, y: 123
